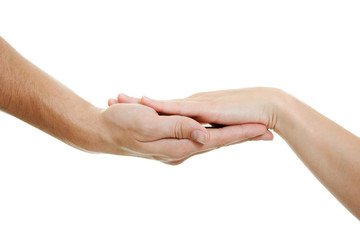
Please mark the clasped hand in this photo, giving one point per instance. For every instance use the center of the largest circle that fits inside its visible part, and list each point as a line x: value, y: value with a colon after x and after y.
x: 172, y: 131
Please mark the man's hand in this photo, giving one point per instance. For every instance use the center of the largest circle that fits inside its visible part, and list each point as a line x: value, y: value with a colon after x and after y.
x: 33, y: 96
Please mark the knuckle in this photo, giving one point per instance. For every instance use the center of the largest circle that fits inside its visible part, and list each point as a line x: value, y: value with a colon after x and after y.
x: 178, y: 129
x: 244, y: 133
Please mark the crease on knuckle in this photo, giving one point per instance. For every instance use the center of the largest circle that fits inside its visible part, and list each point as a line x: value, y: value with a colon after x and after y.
x: 178, y: 129
x: 243, y: 133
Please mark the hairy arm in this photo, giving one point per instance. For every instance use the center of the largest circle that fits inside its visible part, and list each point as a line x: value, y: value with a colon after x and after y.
x: 30, y: 94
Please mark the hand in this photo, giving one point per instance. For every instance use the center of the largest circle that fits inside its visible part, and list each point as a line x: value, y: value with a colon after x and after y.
x: 227, y: 107
x: 137, y: 130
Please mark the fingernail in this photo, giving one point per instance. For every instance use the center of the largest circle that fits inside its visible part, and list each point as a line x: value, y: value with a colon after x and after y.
x: 121, y: 95
x: 111, y: 101
x: 199, y: 136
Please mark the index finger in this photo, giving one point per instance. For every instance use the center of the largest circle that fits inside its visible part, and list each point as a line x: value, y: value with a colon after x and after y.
x: 175, y: 107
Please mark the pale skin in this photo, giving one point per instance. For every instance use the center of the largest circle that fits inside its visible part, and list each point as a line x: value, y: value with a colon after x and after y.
x: 132, y: 129
x: 330, y: 152
x: 33, y: 96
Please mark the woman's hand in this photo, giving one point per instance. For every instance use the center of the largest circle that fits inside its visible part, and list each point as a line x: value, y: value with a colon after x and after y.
x: 228, y: 107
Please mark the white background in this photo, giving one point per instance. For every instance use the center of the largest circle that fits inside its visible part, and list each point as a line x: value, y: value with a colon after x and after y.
x: 171, y: 49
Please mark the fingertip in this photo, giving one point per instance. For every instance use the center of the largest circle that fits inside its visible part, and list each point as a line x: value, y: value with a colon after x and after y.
x: 150, y: 103
x: 200, y: 136
x: 253, y: 130
x: 121, y: 97
x: 262, y: 128
x: 111, y: 101
x: 267, y: 136
x: 145, y: 100
x: 199, y: 133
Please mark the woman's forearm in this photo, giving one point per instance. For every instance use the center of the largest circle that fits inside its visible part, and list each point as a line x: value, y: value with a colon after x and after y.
x: 328, y: 150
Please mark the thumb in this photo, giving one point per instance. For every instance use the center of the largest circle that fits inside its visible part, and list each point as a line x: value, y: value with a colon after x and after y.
x: 182, y: 128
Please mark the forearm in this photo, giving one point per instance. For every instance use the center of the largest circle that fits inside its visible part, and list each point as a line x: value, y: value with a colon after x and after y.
x: 31, y: 95
x: 328, y: 150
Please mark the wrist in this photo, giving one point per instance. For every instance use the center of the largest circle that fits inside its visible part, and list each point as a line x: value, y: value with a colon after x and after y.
x: 86, y: 131
x: 272, y: 105
x: 283, y: 106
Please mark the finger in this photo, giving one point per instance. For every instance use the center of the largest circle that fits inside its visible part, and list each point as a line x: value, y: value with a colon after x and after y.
x: 181, y: 128
x: 122, y: 98
x: 267, y: 136
x: 111, y: 101
x: 185, y: 108
x: 234, y: 134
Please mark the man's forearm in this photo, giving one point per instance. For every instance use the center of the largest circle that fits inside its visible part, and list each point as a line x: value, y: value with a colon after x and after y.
x: 328, y: 150
x: 33, y: 96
